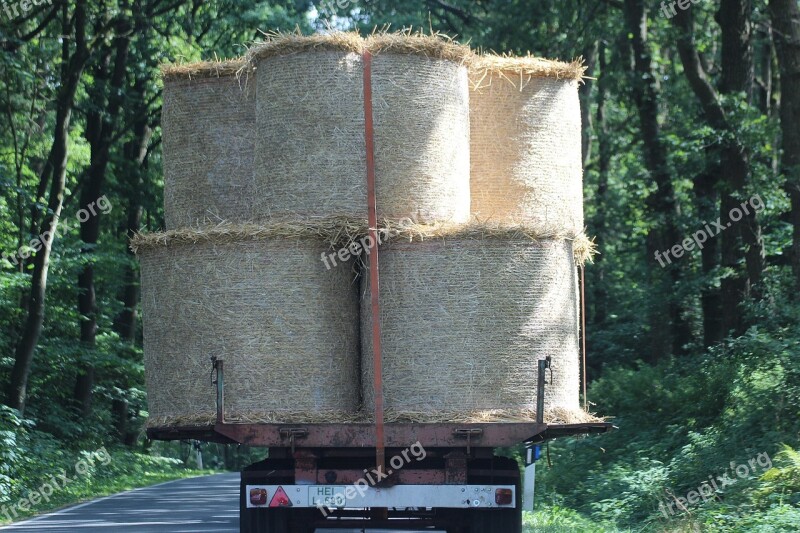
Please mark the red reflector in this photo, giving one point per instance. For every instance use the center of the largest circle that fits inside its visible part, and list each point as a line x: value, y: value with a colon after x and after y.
x: 258, y: 496
x: 503, y: 496
x: 280, y: 499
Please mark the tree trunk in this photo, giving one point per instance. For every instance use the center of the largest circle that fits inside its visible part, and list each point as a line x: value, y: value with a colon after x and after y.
x: 103, y: 124
x: 786, y: 34
x: 125, y: 322
x: 119, y: 417
x: 705, y: 184
x: 737, y: 65
x: 763, y: 64
x: 136, y: 151
x: 41, y: 190
x: 738, y: 79
x: 667, y: 336
x: 90, y: 231
x: 71, y: 72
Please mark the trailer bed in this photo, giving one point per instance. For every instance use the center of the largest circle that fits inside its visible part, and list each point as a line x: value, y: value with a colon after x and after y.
x: 431, y: 435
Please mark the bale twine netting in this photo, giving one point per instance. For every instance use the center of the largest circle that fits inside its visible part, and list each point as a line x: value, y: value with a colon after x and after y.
x: 526, y: 142
x: 464, y: 319
x: 261, y: 300
x: 310, y: 142
x: 208, y: 120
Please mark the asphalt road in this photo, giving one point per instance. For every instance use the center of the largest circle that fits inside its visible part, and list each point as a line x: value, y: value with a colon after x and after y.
x: 202, y: 504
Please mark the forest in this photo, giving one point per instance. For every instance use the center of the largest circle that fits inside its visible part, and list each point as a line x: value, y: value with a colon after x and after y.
x: 691, y: 153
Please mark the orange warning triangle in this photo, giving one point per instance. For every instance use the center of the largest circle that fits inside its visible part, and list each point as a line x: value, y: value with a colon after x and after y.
x: 281, y: 499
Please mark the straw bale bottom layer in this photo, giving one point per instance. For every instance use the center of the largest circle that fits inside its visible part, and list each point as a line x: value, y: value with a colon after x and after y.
x: 285, y: 327
x: 463, y: 324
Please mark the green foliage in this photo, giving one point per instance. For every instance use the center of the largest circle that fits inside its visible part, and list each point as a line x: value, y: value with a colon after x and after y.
x: 555, y: 519
x: 781, y: 484
x: 685, y: 420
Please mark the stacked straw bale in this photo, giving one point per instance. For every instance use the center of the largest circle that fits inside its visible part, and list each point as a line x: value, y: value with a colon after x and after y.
x: 265, y: 172
x: 526, y: 143
x: 465, y: 315
x: 208, y: 120
x: 310, y: 150
x: 258, y: 298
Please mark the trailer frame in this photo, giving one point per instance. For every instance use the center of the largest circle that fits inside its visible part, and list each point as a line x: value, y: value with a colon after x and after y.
x: 459, y: 457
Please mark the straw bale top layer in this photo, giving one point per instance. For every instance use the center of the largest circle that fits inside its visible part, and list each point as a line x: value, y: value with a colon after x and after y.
x: 202, y: 69
x: 282, y: 44
x: 434, y: 45
x: 538, y: 67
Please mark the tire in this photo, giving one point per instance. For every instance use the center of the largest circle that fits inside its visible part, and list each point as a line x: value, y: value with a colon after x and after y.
x: 277, y: 521
x: 455, y: 520
x: 495, y: 521
x: 302, y: 520
x: 264, y: 521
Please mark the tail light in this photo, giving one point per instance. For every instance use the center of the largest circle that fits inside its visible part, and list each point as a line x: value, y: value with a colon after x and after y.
x: 503, y: 496
x: 258, y: 496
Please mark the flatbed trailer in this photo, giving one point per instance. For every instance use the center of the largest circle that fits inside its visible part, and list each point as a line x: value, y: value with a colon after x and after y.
x: 433, y: 476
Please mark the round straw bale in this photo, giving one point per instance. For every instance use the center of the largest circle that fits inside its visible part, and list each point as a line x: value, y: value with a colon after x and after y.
x: 286, y: 328
x: 526, y: 142
x: 310, y: 144
x: 208, y: 120
x: 464, y: 320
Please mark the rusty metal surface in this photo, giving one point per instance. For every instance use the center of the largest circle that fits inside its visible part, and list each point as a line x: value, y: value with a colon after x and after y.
x: 363, y: 435
x: 205, y: 433
x: 305, y: 467
x: 583, y: 336
x: 456, y: 468
x: 374, y: 281
x: 429, y: 476
x: 396, y: 435
x: 554, y: 431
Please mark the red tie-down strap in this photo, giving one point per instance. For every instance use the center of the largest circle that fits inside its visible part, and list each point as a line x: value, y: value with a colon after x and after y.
x: 374, y: 282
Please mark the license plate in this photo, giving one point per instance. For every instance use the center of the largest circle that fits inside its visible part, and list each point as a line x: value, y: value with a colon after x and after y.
x: 329, y: 496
